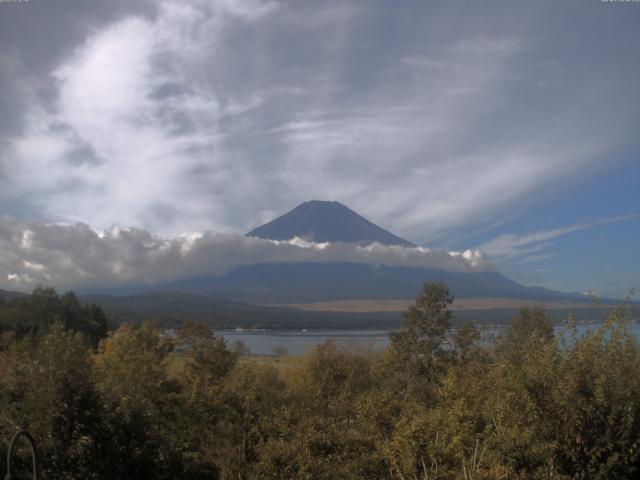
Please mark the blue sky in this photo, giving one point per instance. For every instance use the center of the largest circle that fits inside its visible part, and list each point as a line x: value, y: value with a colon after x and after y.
x: 509, y: 127
x: 600, y: 255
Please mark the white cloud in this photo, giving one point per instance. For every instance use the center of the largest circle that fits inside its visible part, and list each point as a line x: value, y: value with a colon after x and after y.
x: 75, y: 256
x: 113, y: 113
x: 215, y: 115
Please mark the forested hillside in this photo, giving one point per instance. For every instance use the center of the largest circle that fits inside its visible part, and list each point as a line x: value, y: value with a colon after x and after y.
x: 170, y: 308
x: 526, y: 405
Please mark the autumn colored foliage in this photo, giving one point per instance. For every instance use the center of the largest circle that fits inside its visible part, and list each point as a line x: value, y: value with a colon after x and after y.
x: 529, y: 404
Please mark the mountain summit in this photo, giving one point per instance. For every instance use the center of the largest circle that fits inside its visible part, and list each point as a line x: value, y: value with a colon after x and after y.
x: 321, y: 221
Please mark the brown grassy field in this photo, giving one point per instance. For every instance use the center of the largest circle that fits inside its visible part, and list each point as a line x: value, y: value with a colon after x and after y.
x: 398, y: 305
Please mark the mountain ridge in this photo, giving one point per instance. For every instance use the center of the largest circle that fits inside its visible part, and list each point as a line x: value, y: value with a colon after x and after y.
x: 170, y: 308
x: 311, y: 282
x: 304, y: 282
x: 234, y: 295
x: 7, y: 295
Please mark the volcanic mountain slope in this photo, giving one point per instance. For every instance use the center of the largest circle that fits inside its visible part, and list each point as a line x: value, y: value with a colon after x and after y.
x: 320, y: 221
x: 294, y: 283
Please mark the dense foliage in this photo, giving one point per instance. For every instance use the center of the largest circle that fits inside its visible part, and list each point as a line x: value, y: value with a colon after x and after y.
x: 527, y: 405
x: 34, y: 314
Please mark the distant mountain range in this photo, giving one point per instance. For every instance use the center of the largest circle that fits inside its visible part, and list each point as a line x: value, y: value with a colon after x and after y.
x: 320, y: 221
x: 171, y: 308
x: 8, y: 295
x: 241, y: 296
x: 313, y: 282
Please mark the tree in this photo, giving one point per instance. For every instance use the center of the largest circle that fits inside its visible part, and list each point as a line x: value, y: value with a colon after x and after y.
x: 240, y: 348
x: 89, y: 319
x: 595, y: 415
x: 48, y: 390
x: 425, y: 323
x: 321, y: 431
x: 209, y: 359
x: 141, y: 401
x: 465, y: 339
x: 35, y: 314
x: 416, y: 348
x: 530, y: 324
x: 246, y: 403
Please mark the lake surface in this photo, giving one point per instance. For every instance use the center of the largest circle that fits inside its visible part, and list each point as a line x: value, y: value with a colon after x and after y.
x: 299, y: 342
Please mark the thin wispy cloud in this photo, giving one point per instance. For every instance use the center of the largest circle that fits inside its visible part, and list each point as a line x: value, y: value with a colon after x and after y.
x: 129, y: 125
x: 511, y: 245
x: 218, y: 115
x: 538, y: 258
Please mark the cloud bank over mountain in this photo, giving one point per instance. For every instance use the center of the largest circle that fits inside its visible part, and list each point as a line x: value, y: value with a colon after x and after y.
x: 75, y: 256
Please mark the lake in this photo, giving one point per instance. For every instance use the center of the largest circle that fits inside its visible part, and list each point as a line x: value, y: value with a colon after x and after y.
x: 299, y: 342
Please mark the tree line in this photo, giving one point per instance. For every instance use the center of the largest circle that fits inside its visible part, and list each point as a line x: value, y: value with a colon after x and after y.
x: 121, y: 404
